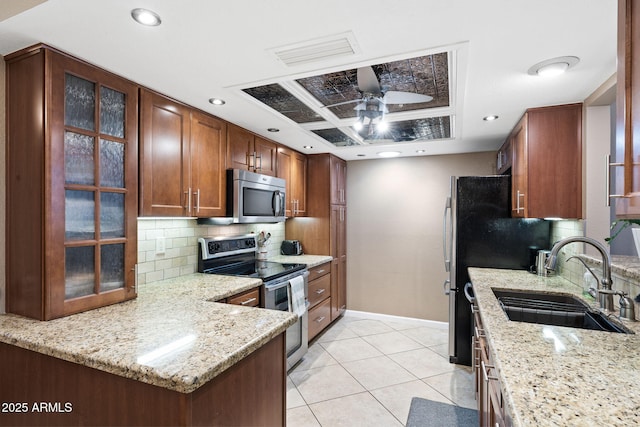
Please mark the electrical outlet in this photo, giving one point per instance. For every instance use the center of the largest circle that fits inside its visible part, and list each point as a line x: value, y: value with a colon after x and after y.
x: 160, y: 245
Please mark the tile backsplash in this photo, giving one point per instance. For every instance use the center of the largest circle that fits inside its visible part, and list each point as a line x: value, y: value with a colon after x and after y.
x: 179, y: 236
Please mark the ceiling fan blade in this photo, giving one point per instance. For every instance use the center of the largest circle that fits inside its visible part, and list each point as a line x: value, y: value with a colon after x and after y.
x: 396, y: 97
x: 367, y: 81
x: 341, y: 103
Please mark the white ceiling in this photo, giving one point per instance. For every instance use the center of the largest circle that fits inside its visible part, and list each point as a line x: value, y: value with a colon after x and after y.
x: 206, y: 49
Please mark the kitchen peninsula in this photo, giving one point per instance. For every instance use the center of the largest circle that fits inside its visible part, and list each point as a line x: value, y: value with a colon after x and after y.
x: 170, y: 357
x: 549, y: 375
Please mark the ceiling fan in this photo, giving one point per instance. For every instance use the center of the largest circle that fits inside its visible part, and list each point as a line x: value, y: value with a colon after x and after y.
x: 374, y: 100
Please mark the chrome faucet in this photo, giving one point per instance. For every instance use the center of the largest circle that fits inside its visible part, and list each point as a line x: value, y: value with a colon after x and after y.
x: 605, y: 295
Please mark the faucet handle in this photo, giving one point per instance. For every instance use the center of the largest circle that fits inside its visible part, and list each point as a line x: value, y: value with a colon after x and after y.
x: 627, y: 307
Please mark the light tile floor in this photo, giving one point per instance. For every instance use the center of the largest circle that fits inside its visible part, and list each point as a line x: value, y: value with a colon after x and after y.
x: 364, y: 370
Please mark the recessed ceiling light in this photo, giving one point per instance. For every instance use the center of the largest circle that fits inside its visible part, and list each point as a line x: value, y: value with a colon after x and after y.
x: 553, y: 66
x: 389, y: 153
x: 361, y: 155
x: 308, y: 147
x: 273, y: 130
x: 420, y: 151
x: 146, y: 17
x: 217, y: 101
x: 490, y: 118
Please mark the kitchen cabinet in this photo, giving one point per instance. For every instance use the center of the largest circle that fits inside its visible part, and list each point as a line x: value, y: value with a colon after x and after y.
x: 251, y: 392
x: 248, y: 151
x: 325, y: 232
x: 182, y: 160
x: 628, y: 109
x: 546, y: 166
x: 292, y: 166
x: 488, y: 389
x: 250, y: 298
x: 72, y: 185
x: 319, y: 299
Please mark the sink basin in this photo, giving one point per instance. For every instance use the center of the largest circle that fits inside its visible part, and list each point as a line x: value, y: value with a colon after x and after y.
x: 554, y: 309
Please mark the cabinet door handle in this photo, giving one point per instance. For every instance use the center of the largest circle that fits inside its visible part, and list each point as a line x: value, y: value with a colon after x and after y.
x: 518, y: 195
x: 607, y: 180
x: 320, y: 291
x: 188, y: 197
x: 320, y: 319
x: 197, y: 206
x: 249, y: 301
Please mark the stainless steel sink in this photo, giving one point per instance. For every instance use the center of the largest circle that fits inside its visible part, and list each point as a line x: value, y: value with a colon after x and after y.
x: 556, y: 310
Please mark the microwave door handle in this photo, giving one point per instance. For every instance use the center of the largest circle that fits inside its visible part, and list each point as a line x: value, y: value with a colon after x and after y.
x: 276, y: 202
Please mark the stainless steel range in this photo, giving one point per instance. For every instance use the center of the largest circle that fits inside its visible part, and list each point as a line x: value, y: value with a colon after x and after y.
x: 236, y: 256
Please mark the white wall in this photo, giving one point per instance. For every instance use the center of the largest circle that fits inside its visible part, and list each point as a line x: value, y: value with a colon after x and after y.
x: 394, y: 232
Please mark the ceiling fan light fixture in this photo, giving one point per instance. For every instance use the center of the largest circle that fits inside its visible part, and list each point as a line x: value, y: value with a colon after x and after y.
x: 554, y: 66
x: 146, y: 17
x: 382, y: 126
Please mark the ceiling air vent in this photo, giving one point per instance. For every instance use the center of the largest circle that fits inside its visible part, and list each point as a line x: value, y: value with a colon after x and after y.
x: 322, y: 49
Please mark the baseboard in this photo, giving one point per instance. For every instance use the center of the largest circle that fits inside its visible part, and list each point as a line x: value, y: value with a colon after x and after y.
x: 390, y: 317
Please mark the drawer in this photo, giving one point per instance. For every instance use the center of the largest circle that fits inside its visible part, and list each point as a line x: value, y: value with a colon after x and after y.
x: 319, y: 289
x: 319, y: 318
x: 248, y: 299
x: 319, y: 270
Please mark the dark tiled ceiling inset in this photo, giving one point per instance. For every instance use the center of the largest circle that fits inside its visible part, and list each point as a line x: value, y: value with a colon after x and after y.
x: 426, y: 129
x: 278, y: 98
x: 336, y: 137
x: 427, y: 75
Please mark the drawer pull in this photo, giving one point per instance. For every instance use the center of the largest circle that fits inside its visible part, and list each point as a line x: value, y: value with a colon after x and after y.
x: 320, y: 319
x: 484, y: 371
x: 320, y: 271
x: 320, y: 291
x: 249, y: 301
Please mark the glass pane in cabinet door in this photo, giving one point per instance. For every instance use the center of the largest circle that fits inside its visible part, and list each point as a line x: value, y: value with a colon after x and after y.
x: 79, y: 215
x: 112, y: 107
x: 79, y: 165
x: 111, y: 267
x: 79, y: 103
x: 111, y: 164
x: 79, y: 271
x: 111, y: 215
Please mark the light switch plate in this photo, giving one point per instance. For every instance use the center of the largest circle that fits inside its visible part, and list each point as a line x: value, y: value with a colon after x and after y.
x: 160, y: 245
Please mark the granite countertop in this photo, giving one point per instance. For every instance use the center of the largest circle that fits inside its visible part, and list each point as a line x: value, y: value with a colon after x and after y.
x: 310, y: 260
x: 623, y: 265
x: 550, y: 375
x: 171, y: 336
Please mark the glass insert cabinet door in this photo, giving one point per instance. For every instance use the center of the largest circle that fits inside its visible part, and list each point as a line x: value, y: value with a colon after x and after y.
x: 97, y: 180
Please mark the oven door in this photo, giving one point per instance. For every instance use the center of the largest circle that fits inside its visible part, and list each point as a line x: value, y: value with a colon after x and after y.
x: 276, y: 297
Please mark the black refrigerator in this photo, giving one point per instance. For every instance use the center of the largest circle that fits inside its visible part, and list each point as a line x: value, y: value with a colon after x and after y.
x: 479, y: 232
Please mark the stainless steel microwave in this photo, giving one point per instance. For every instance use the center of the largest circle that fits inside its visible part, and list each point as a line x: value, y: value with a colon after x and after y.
x: 254, y: 198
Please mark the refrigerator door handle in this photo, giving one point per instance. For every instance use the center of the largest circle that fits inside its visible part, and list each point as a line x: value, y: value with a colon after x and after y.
x: 446, y: 241
x: 447, y: 287
x: 468, y: 290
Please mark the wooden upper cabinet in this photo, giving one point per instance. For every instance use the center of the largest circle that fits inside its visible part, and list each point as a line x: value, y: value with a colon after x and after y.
x: 547, y: 163
x: 628, y: 108
x: 208, y: 176
x: 182, y: 159
x: 338, y: 181
x: 292, y: 167
x: 519, y: 176
x: 72, y: 185
x: 164, y: 156
x: 504, y: 157
x: 247, y: 151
